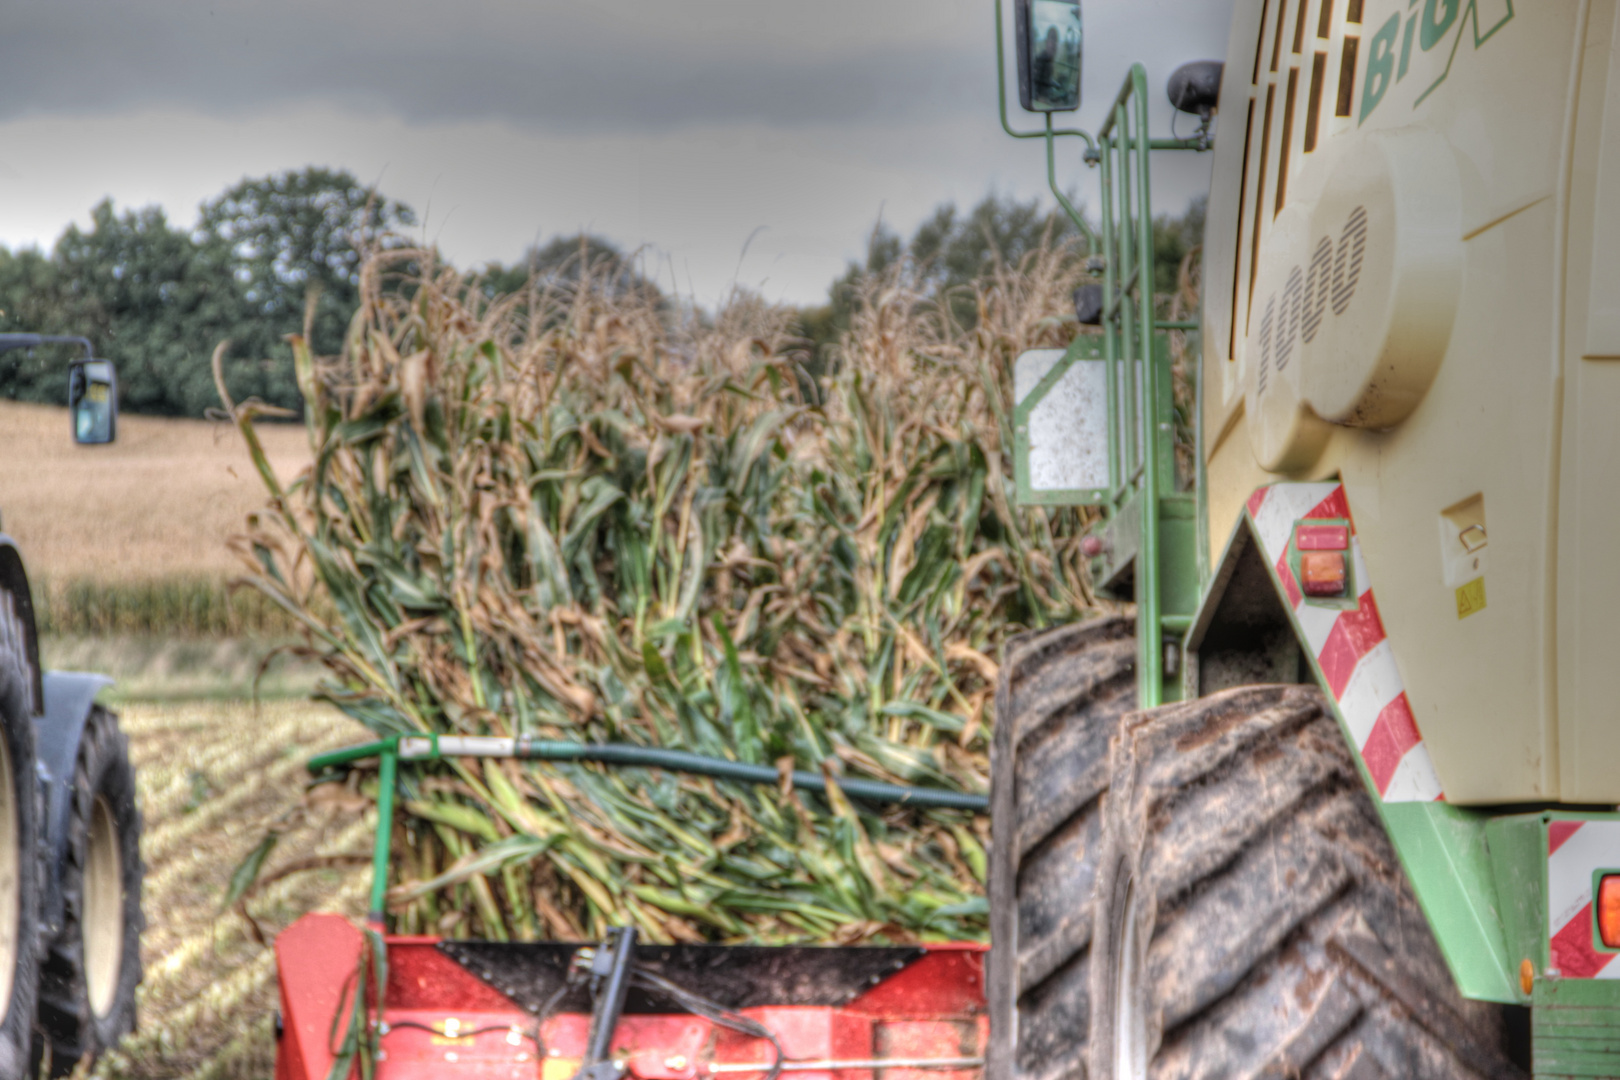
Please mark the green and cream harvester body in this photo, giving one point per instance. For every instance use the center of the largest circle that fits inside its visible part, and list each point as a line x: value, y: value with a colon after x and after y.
x: 1338, y: 797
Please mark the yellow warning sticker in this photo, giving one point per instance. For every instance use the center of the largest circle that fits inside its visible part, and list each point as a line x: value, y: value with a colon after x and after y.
x: 1471, y: 598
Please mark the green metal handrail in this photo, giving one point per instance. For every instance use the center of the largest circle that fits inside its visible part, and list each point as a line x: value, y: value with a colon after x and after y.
x: 1129, y: 325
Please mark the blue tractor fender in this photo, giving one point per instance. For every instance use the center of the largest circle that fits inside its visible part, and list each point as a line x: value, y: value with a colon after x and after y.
x: 69, y: 696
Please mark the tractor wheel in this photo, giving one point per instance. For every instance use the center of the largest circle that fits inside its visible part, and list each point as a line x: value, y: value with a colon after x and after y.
x: 21, y: 850
x: 1061, y: 697
x: 87, y: 988
x: 1252, y: 919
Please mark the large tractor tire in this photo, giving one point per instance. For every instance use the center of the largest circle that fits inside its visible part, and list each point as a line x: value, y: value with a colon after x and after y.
x: 21, y: 849
x: 1252, y: 919
x: 1061, y: 697
x: 87, y: 988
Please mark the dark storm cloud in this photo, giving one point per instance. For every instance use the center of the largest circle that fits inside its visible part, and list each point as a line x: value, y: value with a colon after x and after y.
x: 621, y: 66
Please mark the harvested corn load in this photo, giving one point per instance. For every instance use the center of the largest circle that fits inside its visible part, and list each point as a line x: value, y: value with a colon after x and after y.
x: 579, y: 514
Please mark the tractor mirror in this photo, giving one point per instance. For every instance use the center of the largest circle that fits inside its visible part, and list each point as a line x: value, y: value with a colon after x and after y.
x: 1049, y: 47
x: 93, y: 401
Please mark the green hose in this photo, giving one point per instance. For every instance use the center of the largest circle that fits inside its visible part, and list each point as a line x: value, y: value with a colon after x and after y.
x: 623, y: 754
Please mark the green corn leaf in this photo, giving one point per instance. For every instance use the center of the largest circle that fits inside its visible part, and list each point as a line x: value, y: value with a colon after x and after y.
x: 247, y: 871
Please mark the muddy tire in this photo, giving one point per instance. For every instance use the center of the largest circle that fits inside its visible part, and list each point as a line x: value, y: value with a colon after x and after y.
x: 87, y: 987
x: 22, y: 872
x: 1252, y: 919
x: 1061, y: 698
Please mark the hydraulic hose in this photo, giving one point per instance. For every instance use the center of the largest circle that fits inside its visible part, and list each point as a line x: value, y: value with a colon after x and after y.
x: 432, y: 747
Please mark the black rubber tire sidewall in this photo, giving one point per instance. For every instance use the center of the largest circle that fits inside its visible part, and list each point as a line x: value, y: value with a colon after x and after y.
x: 17, y: 728
x: 103, y: 770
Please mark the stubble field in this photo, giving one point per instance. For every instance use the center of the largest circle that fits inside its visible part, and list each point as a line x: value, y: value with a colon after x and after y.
x: 158, y: 503
x: 213, y: 776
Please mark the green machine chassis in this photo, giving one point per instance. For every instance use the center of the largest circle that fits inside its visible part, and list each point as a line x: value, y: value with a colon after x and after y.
x: 1488, y: 882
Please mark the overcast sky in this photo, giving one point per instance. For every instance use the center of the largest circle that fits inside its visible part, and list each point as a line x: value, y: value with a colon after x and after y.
x: 747, y: 142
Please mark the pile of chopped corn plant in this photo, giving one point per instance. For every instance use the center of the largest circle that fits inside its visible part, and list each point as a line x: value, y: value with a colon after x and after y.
x: 576, y: 514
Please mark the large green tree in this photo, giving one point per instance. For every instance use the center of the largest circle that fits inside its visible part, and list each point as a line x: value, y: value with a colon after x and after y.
x: 129, y: 283
x: 281, y: 239
x: 157, y: 299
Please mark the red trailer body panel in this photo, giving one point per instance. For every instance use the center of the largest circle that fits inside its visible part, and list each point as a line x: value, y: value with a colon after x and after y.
x: 444, y: 1021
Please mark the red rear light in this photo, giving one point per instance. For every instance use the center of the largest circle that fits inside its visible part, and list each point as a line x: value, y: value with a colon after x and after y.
x: 1322, y: 538
x: 1608, y: 910
x: 1323, y: 573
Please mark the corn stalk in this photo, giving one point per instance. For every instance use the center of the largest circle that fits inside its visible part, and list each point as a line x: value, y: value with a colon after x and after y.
x: 572, y: 513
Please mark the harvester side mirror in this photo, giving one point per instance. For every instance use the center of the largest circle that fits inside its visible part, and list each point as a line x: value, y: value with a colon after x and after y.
x: 1050, y: 42
x: 93, y: 401
x: 1196, y: 87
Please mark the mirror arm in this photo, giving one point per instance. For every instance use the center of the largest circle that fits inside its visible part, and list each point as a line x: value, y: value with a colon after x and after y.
x: 1050, y: 135
x: 10, y: 342
x: 1063, y: 200
x: 1001, y: 93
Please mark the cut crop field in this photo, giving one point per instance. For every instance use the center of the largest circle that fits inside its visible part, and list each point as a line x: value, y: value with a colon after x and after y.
x: 157, y: 504
x: 212, y: 777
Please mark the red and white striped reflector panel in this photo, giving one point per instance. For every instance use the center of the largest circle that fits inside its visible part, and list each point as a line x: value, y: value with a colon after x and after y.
x: 1576, y: 850
x: 1350, y: 646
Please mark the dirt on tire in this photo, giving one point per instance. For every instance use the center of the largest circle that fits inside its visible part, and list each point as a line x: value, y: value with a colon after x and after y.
x: 1061, y: 697
x: 1277, y: 933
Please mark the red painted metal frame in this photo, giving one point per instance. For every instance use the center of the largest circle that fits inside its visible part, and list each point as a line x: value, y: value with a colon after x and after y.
x: 933, y: 1008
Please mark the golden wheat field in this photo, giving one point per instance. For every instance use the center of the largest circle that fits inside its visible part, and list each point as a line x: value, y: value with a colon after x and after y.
x: 158, y: 503
x: 212, y: 777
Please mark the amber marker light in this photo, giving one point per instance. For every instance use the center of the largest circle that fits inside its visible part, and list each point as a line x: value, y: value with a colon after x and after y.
x: 1608, y: 911
x: 1323, y: 573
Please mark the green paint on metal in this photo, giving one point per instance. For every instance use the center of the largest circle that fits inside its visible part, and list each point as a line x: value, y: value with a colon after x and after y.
x: 386, y: 777
x: 1147, y: 450
x: 1447, y: 858
x: 1576, y: 993
x: 348, y: 755
x: 1575, y: 1029
x: 1518, y: 852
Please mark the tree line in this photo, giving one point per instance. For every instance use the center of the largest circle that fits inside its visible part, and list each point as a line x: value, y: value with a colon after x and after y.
x: 157, y: 297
